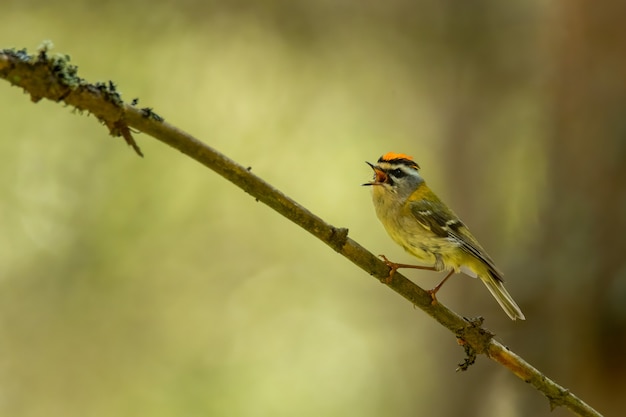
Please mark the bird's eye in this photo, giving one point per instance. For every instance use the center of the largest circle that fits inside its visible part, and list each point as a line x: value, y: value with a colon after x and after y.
x: 398, y: 173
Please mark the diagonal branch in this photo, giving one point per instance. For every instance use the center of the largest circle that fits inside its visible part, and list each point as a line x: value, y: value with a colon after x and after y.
x: 52, y: 77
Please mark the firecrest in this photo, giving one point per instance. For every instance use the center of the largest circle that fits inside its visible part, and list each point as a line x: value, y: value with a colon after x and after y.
x: 424, y: 226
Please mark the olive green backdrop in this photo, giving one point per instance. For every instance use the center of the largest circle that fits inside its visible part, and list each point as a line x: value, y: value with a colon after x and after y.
x: 153, y: 287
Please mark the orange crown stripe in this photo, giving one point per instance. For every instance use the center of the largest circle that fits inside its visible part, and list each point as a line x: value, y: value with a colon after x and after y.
x: 399, y: 158
x: 392, y: 155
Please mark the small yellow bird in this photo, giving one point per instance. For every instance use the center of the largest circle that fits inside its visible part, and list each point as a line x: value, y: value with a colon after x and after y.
x: 424, y: 226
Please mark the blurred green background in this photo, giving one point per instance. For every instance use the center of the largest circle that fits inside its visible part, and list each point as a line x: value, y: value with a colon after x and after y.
x: 153, y: 287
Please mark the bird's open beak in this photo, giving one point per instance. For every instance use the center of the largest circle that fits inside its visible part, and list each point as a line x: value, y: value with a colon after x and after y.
x: 379, y: 176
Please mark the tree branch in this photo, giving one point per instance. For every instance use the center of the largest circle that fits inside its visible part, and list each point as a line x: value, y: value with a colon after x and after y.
x: 51, y: 76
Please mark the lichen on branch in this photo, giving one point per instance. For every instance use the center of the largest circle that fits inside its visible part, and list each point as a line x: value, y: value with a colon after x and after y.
x: 51, y: 76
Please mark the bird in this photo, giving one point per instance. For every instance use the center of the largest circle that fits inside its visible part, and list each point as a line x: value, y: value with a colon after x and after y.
x: 416, y: 219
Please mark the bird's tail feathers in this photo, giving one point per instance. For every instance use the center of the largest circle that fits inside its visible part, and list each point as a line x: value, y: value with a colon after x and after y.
x: 496, y: 288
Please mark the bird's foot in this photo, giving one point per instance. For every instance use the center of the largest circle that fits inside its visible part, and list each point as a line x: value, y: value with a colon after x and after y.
x: 393, y: 267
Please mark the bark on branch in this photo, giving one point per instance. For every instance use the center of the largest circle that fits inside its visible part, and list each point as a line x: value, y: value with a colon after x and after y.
x: 46, y: 75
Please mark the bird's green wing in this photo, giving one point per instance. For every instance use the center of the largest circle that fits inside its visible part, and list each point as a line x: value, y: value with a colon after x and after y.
x: 435, y: 216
